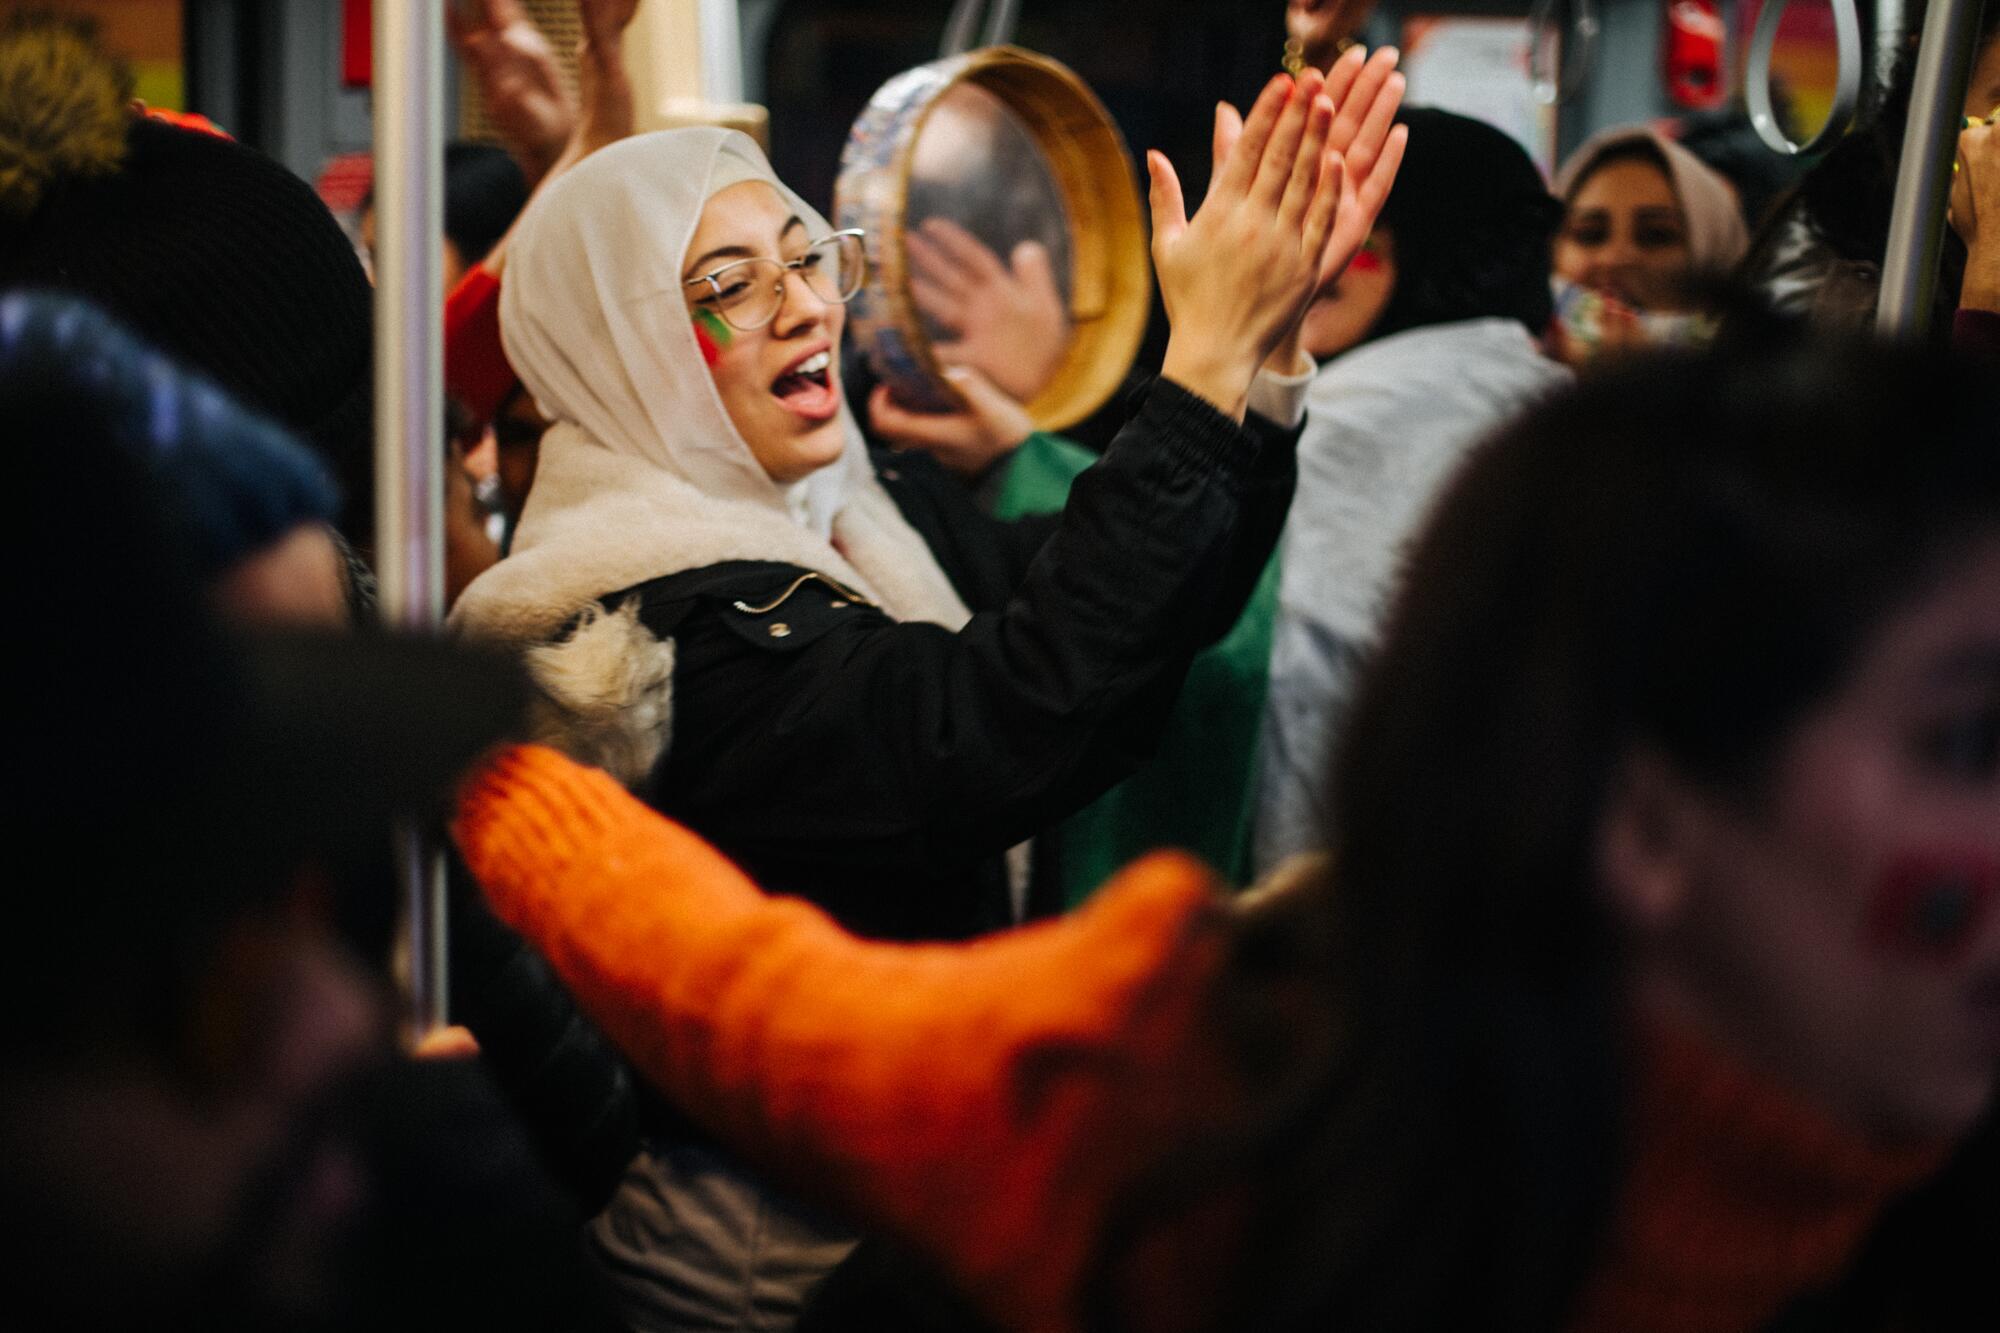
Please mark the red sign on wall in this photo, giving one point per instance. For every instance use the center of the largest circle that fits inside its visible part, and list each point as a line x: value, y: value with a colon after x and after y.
x: 357, y: 44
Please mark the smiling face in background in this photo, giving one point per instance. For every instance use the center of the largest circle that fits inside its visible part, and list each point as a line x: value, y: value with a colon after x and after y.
x: 1625, y: 235
x: 780, y: 383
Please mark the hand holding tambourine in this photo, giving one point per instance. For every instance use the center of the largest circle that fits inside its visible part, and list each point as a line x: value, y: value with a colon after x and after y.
x: 1006, y: 317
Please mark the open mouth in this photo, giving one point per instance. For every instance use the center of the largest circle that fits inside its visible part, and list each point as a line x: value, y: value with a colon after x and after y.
x: 807, y: 386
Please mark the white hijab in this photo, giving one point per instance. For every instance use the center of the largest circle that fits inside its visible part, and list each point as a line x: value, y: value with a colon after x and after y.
x: 642, y: 473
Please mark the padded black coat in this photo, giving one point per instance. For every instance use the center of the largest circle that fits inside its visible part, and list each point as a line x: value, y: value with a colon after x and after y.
x: 882, y: 768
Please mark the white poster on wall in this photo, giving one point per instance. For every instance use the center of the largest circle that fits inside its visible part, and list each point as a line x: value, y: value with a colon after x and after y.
x: 1478, y: 67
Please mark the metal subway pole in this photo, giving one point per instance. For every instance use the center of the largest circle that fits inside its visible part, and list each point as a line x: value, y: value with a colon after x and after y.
x: 409, y: 410
x: 721, y: 52
x: 1923, y: 181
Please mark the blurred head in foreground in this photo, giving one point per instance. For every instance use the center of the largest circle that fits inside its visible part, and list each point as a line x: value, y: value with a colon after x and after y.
x: 1684, y: 735
x: 196, y: 1100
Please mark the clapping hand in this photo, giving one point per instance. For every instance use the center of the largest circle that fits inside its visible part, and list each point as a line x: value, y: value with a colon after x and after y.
x: 1283, y: 215
x: 1368, y: 91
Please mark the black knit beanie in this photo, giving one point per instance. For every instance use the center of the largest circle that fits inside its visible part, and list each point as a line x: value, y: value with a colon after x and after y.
x: 1473, y: 225
x: 484, y: 192
x: 210, y: 251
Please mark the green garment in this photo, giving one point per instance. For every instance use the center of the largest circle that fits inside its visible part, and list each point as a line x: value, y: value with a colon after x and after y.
x: 1199, y: 790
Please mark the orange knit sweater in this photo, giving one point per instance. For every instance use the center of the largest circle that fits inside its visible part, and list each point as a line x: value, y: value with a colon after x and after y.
x: 986, y: 1102
x: 989, y: 1102
x: 1737, y: 1200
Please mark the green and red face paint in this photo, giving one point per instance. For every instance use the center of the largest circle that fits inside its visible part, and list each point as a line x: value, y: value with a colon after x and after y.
x: 712, y: 333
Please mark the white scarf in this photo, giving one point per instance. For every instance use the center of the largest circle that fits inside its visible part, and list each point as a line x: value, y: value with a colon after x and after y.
x: 642, y: 473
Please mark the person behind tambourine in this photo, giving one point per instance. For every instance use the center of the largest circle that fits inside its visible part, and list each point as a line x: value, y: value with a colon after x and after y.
x: 763, y: 636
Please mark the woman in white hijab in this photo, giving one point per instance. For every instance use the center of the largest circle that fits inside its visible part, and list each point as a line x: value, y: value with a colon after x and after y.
x: 732, y: 612
x: 1646, y: 224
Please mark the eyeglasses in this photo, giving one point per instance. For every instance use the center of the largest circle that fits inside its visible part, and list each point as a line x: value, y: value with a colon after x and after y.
x: 750, y: 292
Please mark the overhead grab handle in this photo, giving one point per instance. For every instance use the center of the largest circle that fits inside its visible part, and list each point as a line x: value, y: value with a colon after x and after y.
x: 1001, y: 20
x: 1846, y: 84
x: 1560, y: 62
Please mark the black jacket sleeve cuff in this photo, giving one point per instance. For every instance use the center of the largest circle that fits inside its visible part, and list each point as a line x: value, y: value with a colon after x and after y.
x: 1194, y: 433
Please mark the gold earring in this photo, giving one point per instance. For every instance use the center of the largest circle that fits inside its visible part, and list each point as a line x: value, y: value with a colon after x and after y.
x: 1295, y: 57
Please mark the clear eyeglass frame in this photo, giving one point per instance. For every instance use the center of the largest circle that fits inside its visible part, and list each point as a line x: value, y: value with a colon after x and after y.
x: 762, y: 281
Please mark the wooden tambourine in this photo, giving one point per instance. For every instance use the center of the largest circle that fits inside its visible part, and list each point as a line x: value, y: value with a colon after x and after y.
x: 1019, y: 149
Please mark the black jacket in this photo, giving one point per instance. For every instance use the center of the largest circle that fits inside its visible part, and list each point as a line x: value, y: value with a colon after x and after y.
x: 882, y: 768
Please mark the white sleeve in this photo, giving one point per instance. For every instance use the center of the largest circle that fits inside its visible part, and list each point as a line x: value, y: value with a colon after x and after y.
x: 1282, y: 398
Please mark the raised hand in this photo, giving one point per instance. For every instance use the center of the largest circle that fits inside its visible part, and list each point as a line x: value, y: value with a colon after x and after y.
x: 519, y: 71
x: 1368, y: 92
x: 1236, y: 278
x: 519, y: 81
x: 1007, y: 318
x: 602, y: 83
x: 605, y: 21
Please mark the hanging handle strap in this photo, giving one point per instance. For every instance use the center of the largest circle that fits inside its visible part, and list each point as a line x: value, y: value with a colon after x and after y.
x: 1846, y: 83
x: 1001, y: 20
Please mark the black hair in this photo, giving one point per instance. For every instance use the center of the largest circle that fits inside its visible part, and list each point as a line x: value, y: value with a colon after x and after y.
x: 1687, y: 552
x: 484, y: 191
x: 1472, y: 223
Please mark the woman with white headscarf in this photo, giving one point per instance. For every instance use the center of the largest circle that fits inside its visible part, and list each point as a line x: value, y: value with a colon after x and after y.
x: 1646, y: 224
x: 737, y: 616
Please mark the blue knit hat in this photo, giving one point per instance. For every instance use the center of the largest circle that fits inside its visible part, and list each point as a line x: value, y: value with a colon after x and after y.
x: 235, y: 481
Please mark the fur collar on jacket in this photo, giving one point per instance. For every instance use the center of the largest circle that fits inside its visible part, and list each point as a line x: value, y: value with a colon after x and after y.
x: 598, y: 523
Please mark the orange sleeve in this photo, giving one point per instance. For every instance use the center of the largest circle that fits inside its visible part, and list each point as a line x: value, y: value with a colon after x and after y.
x: 985, y: 1102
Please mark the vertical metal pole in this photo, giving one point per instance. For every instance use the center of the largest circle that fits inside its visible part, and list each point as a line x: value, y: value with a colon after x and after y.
x: 721, y: 52
x: 409, y: 404
x: 1923, y: 181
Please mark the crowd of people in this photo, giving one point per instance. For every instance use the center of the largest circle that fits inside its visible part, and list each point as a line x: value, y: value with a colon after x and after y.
x: 1568, y: 644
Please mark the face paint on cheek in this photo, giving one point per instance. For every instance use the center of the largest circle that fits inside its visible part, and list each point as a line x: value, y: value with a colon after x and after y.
x: 1930, y: 905
x: 712, y: 334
